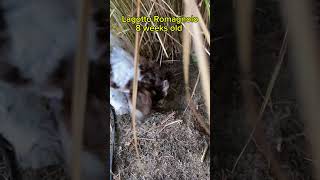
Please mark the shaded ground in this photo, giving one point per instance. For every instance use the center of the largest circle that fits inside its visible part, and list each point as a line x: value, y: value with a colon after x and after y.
x: 281, y: 124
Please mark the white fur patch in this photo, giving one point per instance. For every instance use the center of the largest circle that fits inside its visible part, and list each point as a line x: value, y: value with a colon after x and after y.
x: 38, y: 136
x: 119, y: 102
x: 121, y: 64
x: 29, y: 127
x: 122, y: 67
x: 41, y: 32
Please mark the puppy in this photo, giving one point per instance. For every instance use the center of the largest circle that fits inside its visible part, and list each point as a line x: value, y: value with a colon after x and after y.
x: 151, y: 86
x: 45, y: 139
x: 40, y: 33
x: 35, y: 69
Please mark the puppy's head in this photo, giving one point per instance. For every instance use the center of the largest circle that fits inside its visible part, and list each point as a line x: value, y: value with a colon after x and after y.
x: 156, y: 84
x: 148, y: 96
x: 152, y: 88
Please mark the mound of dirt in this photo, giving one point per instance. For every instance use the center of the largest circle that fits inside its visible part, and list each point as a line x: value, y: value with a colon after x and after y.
x: 170, y: 147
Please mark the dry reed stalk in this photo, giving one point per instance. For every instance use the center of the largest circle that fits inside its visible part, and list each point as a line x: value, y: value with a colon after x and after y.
x: 79, y: 89
x: 202, y: 57
x: 135, y: 85
x: 186, y: 43
x: 304, y: 52
x: 201, y: 21
x: 186, y: 61
x: 203, y: 65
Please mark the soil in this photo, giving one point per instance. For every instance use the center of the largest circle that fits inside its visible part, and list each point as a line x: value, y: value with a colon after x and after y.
x: 281, y: 125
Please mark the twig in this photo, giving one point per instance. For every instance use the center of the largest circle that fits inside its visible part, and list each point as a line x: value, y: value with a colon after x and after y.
x: 199, y: 118
x: 204, y: 152
x: 177, y: 121
x: 193, y: 92
x: 169, y: 117
x: 267, y: 96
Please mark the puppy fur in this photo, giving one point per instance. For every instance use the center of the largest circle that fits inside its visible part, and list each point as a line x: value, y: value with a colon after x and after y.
x: 42, y: 35
x: 41, y: 32
x: 152, y: 87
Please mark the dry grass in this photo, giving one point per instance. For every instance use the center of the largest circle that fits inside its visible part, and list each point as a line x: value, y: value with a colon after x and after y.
x: 169, y: 43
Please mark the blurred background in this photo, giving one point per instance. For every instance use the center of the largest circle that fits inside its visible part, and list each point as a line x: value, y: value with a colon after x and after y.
x: 266, y: 93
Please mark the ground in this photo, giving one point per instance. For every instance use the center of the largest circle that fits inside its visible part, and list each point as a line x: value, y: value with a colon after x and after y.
x: 282, y: 126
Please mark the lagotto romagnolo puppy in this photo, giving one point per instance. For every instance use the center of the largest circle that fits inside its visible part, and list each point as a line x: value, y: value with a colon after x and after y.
x: 152, y: 86
x: 36, y: 86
